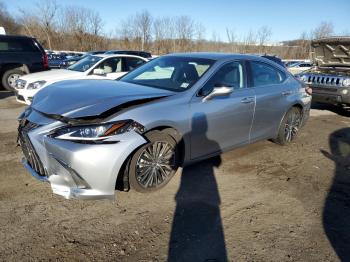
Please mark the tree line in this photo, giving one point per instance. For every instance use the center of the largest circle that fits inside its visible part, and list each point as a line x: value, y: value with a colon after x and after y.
x: 81, y: 29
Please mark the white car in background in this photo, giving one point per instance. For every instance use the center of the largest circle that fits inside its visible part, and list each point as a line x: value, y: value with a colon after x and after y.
x: 91, y: 67
x: 299, y: 67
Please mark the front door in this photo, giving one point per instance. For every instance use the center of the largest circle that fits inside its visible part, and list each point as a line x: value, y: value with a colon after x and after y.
x: 222, y: 122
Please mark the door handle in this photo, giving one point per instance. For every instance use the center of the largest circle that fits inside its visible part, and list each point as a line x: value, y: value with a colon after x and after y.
x: 247, y: 100
x: 287, y: 93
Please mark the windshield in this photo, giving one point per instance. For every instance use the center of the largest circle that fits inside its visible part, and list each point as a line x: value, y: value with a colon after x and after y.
x: 85, y: 63
x: 169, y: 72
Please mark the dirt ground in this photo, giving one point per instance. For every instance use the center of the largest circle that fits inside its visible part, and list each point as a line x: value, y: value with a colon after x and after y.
x: 263, y: 202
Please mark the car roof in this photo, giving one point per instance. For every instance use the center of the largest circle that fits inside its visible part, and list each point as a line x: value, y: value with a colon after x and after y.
x: 118, y: 55
x: 217, y: 56
x: 16, y: 37
x: 121, y: 50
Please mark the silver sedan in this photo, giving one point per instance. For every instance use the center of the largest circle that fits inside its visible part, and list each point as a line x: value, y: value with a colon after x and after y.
x: 89, y: 137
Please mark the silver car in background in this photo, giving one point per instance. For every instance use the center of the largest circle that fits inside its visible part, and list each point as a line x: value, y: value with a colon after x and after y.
x: 89, y: 137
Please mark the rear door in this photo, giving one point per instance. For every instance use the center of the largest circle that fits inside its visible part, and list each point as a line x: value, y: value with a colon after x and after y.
x: 222, y: 122
x: 272, y: 92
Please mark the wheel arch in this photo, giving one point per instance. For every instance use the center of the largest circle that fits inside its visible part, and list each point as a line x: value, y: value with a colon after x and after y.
x: 11, y: 66
x: 297, y: 105
x: 122, y: 182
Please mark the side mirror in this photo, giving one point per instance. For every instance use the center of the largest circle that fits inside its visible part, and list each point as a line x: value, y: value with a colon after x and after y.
x: 98, y: 71
x: 219, y: 90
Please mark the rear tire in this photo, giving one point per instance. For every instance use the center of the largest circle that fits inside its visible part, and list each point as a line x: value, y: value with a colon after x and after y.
x: 289, y: 127
x: 9, y: 78
x: 154, y: 164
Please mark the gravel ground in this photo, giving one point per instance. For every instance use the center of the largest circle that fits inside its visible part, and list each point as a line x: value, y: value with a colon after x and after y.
x: 263, y: 202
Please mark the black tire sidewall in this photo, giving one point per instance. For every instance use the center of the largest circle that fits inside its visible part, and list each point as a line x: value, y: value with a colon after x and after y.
x: 153, y: 136
x: 6, y: 75
x: 281, y: 138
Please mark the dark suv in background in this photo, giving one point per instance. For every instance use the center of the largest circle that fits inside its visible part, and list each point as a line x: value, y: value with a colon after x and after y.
x: 20, y: 55
x: 72, y: 60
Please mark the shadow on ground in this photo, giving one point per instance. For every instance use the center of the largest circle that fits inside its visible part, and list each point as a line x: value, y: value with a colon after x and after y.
x: 197, y: 231
x: 336, y: 213
x: 342, y: 111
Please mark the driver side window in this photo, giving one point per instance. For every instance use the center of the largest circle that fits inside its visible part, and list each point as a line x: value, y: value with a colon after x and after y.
x: 112, y: 65
x: 230, y: 75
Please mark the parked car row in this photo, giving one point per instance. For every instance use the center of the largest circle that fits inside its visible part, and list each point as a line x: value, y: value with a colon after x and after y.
x: 90, y: 67
x: 20, y: 55
x: 62, y: 60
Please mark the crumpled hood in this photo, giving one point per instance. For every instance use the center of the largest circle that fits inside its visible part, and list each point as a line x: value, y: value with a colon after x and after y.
x: 332, y: 51
x: 92, y: 98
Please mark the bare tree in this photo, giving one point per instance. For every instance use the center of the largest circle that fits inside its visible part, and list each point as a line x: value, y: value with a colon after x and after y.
x: 264, y: 34
x: 199, y: 36
x: 231, y: 37
x: 136, y: 30
x: 79, y: 28
x: 163, y: 31
x: 304, y: 45
x: 41, y: 21
x: 47, y: 18
x: 325, y: 29
x: 143, y: 22
x: 216, y: 41
x: 249, y: 42
x: 7, y: 21
x: 185, y: 30
x: 84, y: 26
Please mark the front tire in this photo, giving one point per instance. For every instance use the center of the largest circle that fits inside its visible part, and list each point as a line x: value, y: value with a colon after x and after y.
x: 9, y: 78
x: 154, y: 164
x: 289, y: 127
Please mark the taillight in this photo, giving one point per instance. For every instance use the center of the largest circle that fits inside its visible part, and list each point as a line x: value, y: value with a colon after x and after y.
x: 45, y: 61
x: 308, y: 90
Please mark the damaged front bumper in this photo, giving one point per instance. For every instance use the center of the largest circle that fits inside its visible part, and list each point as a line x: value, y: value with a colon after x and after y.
x: 76, y: 170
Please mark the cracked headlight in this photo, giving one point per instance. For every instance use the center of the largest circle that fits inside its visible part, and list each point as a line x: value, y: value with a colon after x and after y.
x: 96, y: 132
x: 36, y: 85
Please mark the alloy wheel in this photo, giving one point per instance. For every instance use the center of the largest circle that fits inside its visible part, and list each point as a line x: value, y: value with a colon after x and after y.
x: 11, y: 80
x: 292, y: 125
x: 155, y: 164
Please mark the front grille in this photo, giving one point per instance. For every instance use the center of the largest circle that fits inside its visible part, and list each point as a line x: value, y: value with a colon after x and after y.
x: 27, y: 147
x: 20, y: 84
x: 324, y: 80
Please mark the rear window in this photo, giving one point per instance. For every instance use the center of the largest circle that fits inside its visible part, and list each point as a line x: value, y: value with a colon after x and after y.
x: 264, y: 74
x: 17, y: 45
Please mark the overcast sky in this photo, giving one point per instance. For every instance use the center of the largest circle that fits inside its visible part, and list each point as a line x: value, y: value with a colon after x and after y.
x: 287, y: 19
